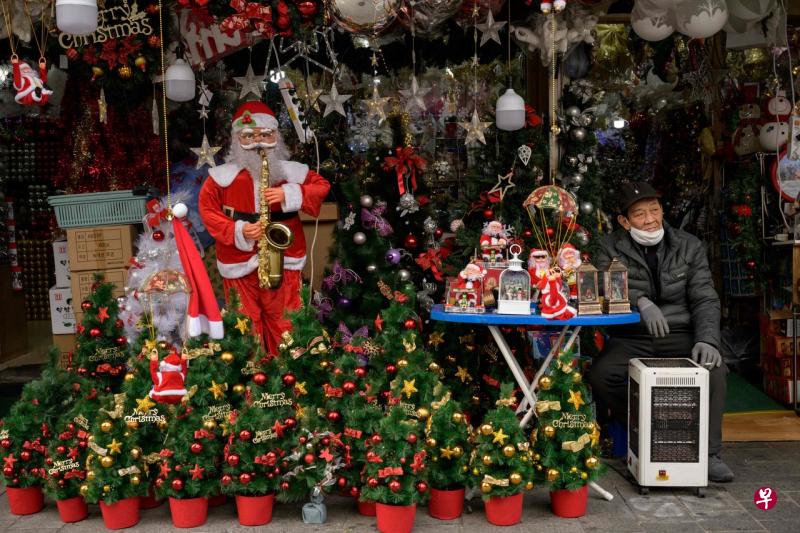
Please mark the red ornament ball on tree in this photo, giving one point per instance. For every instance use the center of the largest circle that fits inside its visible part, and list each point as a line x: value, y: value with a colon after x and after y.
x: 342, y: 482
x: 244, y: 478
x: 196, y: 448
x: 372, y: 482
x: 751, y: 265
x: 5, y: 443
x: 158, y: 235
x: 308, y: 458
x: 376, y: 439
x: 94, y: 332
x: 354, y: 492
x: 411, y: 241
x: 550, y: 232
x: 233, y: 459
x: 412, y: 438
x: 488, y: 214
x: 527, y: 234
x: 86, y: 305
x: 410, y: 323
x: 290, y: 422
x: 60, y: 450
x: 289, y: 380
x: 245, y: 435
x: 349, y: 387
x: 159, y: 483
x: 422, y: 487
x: 284, y: 485
x: 226, y: 480
x: 394, y: 485
x: 8, y: 472
x: 25, y: 455
x: 391, y: 369
x: 334, y: 416
x: 121, y: 341
x: 437, y: 233
x: 259, y: 378
x: 360, y: 372
x: 177, y: 484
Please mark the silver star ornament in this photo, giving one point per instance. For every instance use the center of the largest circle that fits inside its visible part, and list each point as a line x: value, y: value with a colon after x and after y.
x: 376, y: 105
x: 475, y: 129
x: 334, y: 101
x: 205, y: 153
x: 250, y: 83
x: 490, y: 29
x: 415, y: 95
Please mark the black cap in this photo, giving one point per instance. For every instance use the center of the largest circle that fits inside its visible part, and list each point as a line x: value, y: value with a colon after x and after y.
x: 634, y: 191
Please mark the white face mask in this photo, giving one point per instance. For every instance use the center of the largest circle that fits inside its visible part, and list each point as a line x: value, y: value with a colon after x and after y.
x: 647, y: 238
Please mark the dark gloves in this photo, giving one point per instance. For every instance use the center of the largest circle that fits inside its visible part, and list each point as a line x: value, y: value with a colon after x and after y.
x: 706, y: 355
x: 653, y: 318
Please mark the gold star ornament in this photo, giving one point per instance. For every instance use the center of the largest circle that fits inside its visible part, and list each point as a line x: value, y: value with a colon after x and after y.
x: 499, y: 437
x: 409, y: 388
x: 576, y: 399
x: 446, y: 453
x: 436, y: 338
x: 217, y: 389
x: 145, y: 404
x: 205, y: 153
x: 241, y: 325
x: 475, y: 129
x: 463, y: 375
x: 115, y: 446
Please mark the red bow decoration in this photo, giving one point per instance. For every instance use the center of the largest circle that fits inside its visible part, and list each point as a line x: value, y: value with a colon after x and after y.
x: 405, y: 161
x: 372, y: 457
x: 80, y: 474
x: 491, y: 381
x: 390, y: 471
x: 203, y: 434
x: 432, y: 260
x: 355, y: 433
x: 418, y: 463
x: 267, y: 460
x: 484, y: 200
x: 531, y: 118
x: 104, y: 368
x: 249, y: 16
x: 332, y: 392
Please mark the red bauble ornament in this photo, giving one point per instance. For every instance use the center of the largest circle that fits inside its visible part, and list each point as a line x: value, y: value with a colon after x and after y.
x: 337, y: 371
x: 158, y: 235
x: 94, y: 332
x: 412, y: 438
x: 8, y: 471
x: 307, y: 10
x: 751, y: 265
x: 245, y: 435
x: 488, y: 214
x: 308, y: 458
x: 422, y: 487
x: 394, y: 485
x: 284, y: 485
x: 550, y: 232
x: 226, y: 480
x: 259, y: 378
x: 233, y: 459
x: 290, y: 422
x: 342, y: 482
x: 81, y: 444
x: 159, y: 483
x: 354, y: 492
x: 119, y: 323
x: 325, y: 441
x: 86, y: 305
x: 410, y: 323
x: 196, y: 448
x: 302, y: 440
x: 60, y: 450
x: 376, y: 438
x: 402, y: 460
x: 121, y: 341
x: 289, y: 380
x: 527, y: 234
x: 80, y: 328
x: 334, y: 416
x: 244, y: 478
x: 360, y: 372
x: 5, y: 443
x: 372, y: 482
x: 349, y: 387
x: 391, y: 369
x: 437, y: 233
x: 177, y: 484
x: 25, y: 455
x: 411, y: 241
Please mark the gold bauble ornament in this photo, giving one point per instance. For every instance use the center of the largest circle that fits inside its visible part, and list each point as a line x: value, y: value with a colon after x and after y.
x: 576, y: 377
x: 430, y: 442
x: 126, y: 434
x: 591, y: 462
x: 458, y: 418
x: 423, y: 413
x: 584, y: 475
x: 106, y: 426
x: 515, y: 478
x: 135, y: 480
x: 132, y: 424
x: 529, y: 485
x: 129, y: 376
x: 162, y: 424
x: 227, y: 357
x: 524, y: 458
x: 549, y: 431
x: 465, y: 468
x: 84, y: 490
x: 476, y: 400
x: 135, y: 453
x: 125, y: 72
x: 552, y: 474
x: 538, y: 468
x: 487, y: 460
x: 457, y: 451
x: 545, y: 382
x: 106, y: 488
x: 209, y: 425
x: 509, y: 450
x: 402, y: 363
x: 90, y: 475
x: 238, y: 388
x: 476, y: 472
x: 537, y: 457
x: 486, y: 488
x: 107, y: 461
x: 486, y: 429
x: 90, y: 438
x: 433, y: 367
x: 324, y: 364
x: 573, y: 470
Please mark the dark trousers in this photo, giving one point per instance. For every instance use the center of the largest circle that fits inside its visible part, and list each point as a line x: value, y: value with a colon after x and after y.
x: 609, y: 377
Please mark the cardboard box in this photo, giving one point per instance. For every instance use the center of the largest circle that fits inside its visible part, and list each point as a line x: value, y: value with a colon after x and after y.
x: 62, y: 316
x: 82, y: 286
x: 780, y: 389
x: 61, y: 262
x: 100, y: 248
x: 65, y: 345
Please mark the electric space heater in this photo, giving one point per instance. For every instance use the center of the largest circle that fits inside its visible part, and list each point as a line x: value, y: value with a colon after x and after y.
x: 668, y: 423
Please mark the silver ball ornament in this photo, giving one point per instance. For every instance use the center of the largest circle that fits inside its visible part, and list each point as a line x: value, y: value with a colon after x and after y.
x: 359, y: 238
x: 366, y: 201
x: 407, y: 202
x: 576, y: 179
x: 586, y: 120
x: 583, y: 238
x: 578, y: 134
x: 573, y: 111
x: 587, y: 208
x: 404, y: 274
x: 372, y: 268
x: 572, y: 160
x: 429, y: 225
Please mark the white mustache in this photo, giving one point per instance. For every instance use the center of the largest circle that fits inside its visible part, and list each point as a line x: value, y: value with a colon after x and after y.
x: 253, y: 146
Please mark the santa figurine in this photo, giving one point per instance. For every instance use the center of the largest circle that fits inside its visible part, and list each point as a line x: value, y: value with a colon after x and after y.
x: 471, y: 273
x: 229, y: 205
x: 169, y: 377
x: 568, y: 260
x: 553, y: 305
x: 30, y: 86
x: 538, y: 265
x: 493, y: 242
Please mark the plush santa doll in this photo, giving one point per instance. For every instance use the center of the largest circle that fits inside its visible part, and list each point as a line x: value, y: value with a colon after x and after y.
x: 30, y: 86
x: 229, y: 205
x: 568, y: 260
x: 553, y: 304
x: 169, y: 377
x: 471, y: 273
x: 538, y: 265
x: 493, y: 239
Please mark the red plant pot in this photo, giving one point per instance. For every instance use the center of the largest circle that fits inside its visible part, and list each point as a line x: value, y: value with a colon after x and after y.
x: 72, y: 509
x: 446, y: 504
x: 395, y: 518
x: 120, y: 514
x: 504, y: 510
x: 150, y: 501
x: 216, y: 501
x: 254, y: 510
x: 569, y: 503
x: 29, y: 500
x: 366, y: 508
x: 188, y: 512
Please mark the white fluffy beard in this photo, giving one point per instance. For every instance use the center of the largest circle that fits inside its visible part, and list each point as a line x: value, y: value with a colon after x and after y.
x: 251, y: 160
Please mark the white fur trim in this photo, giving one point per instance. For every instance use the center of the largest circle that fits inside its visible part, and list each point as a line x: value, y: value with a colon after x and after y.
x: 242, y: 243
x: 294, y: 263
x: 223, y: 175
x: 293, y: 197
x: 197, y: 325
x: 166, y: 367
x: 240, y: 270
x: 295, y: 172
x: 260, y: 120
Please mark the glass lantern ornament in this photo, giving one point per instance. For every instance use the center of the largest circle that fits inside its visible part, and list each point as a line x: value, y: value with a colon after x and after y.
x: 179, y: 82
x: 76, y: 17
x: 616, y: 288
x: 588, y: 290
x: 514, y: 294
x: 510, y: 111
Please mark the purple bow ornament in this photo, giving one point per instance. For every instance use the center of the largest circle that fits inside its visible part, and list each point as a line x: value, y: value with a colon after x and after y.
x: 339, y: 274
x: 373, y: 219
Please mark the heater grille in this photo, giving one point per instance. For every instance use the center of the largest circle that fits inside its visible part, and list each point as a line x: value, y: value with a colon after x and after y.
x: 633, y: 416
x: 676, y: 381
x: 662, y: 362
x: 675, y: 424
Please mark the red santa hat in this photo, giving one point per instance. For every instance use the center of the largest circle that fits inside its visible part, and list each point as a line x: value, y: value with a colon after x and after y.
x: 171, y: 363
x: 254, y: 115
x: 203, y: 311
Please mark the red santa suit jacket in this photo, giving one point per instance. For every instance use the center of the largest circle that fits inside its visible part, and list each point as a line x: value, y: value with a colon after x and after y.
x: 232, y: 186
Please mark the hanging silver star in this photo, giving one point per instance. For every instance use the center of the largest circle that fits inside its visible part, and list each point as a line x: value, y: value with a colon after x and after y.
x: 205, y: 153
x: 503, y: 185
x: 490, y: 29
x: 415, y: 95
x: 250, y: 83
x: 334, y: 101
x: 203, y: 112
x: 475, y: 129
x: 376, y: 105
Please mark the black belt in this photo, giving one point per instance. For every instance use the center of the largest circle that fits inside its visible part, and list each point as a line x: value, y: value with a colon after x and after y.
x: 252, y: 218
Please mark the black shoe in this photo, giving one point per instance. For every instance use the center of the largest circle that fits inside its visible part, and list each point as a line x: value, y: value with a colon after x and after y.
x: 718, y: 472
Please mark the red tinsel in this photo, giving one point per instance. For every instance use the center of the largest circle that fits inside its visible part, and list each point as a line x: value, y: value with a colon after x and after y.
x: 249, y: 17
x: 390, y: 471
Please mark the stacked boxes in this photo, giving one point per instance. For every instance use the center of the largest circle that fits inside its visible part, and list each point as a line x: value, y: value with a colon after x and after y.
x: 62, y: 313
x: 777, y: 356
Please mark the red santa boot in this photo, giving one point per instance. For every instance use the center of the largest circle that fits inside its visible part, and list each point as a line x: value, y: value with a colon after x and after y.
x: 169, y: 378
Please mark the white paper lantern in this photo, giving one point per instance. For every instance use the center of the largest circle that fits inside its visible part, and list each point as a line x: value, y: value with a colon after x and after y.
x: 699, y: 19
x: 510, y: 111
x: 179, y: 81
x: 652, y: 8
x: 76, y: 17
x: 773, y: 135
x: 651, y: 28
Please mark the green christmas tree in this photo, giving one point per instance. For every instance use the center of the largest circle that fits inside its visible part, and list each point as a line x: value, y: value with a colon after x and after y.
x: 567, y: 436
x: 502, y: 461
x: 448, y: 440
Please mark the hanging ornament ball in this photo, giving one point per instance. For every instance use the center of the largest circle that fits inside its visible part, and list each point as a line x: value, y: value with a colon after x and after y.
x: 437, y: 233
x: 343, y: 302
x: 430, y: 442
x: 158, y: 235
x: 210, y: 425
x: 395, y: 485
x: 244, y: 478
x: 509, y: 450
x: 591, y: 462
x: 84, y: 490
x: 349, y: 387
x: 486, y: 488
x: 578, y: 134
x: 573, y: 111
x: 529, y: 485
x: 515, y: 478
x: 486, y: 429
x: 586, y: 120
x: 233, y: 459
x: 238, y: 388
x: 549, y: 431
x: 423, y: 413
x: 456, y: 225
x: 391, y: 369
x: 360, y: 372
x: 162, y: 424
x: 196, y: 448
x: 402, y: 363
x: 393, y: 256
x: 359, y: 238
x: 573, y: 470
x: 106, y: 426
x: 372, y: 268
x: 404, y: 274
x: 226, y: 480
x: 410, y: 323
x: 487, y: 459
x: 576, y: 180
x: 458, y: 418
x: 135, y: 480
x: 121, y: 341
x: 259, y: 378
x: 422, y: 487
x: 412, y: 438
x: 86, y: 305
x: 410, y: 241
x: 366, y: 201
x: 226, y: 357
x: 106, y: 489
x: 545, y: 382
x: 289, y: 380
x: 136, y: 453
x: 245, y: 435
x: 334, y: 416
x: 488, y: 214
x: 577, y: 377
x: 549, y: 231
x: 106, y: 461
x: 552, y: 474
x: 458, y: 451
x: 583, y: 238
x: 751, y: 265
x: 587, y: 207
x: 572, y: 160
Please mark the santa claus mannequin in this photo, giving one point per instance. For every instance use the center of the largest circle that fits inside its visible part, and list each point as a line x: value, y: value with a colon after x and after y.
x: 169, y: 378
x: 229, y: 205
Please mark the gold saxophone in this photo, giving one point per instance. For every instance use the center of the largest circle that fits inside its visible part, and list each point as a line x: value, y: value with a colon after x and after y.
x: 277, y: 237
